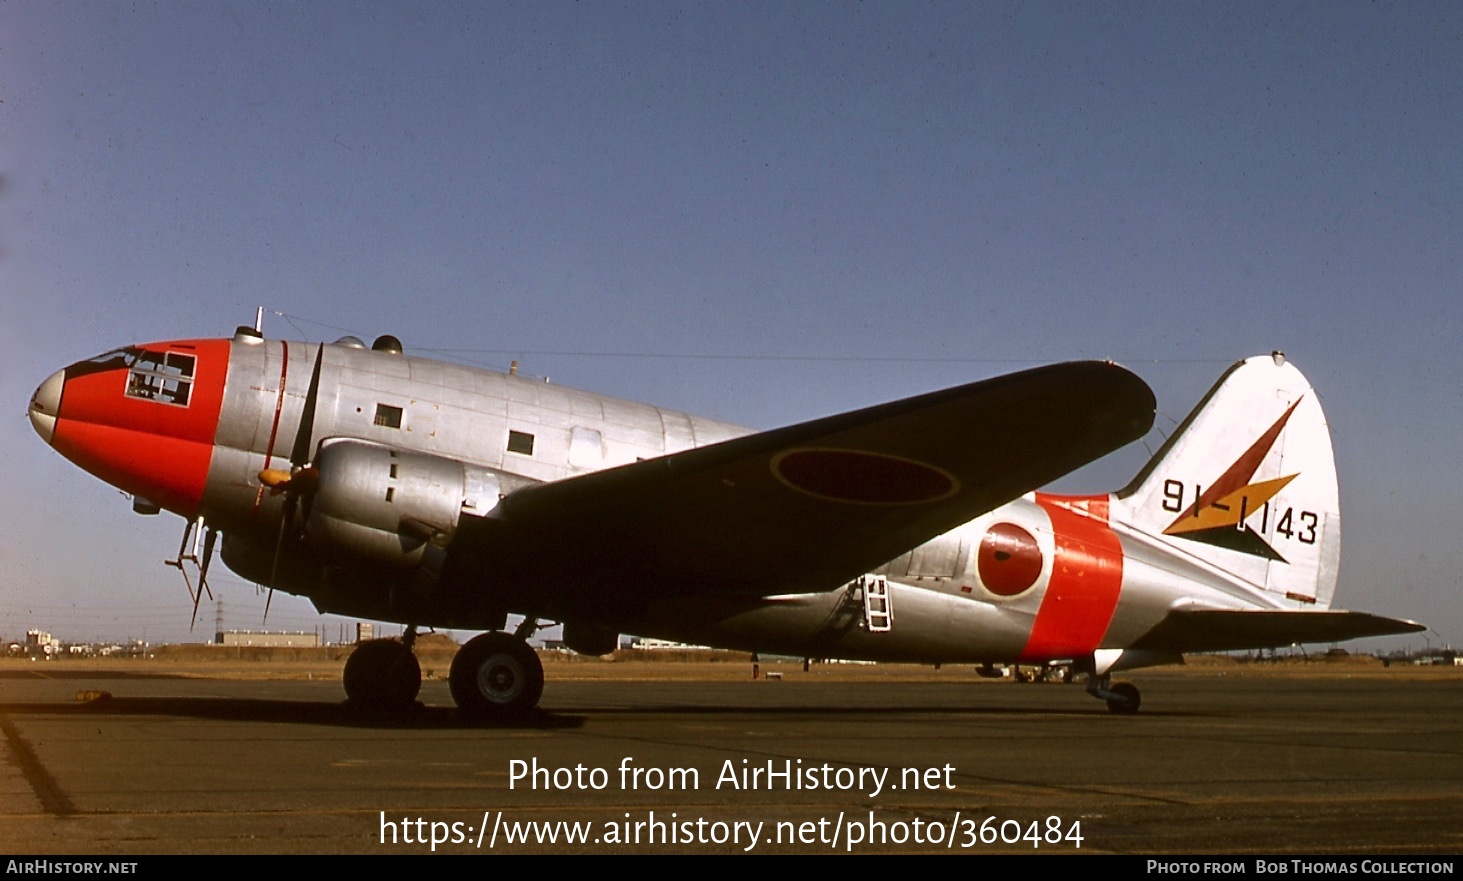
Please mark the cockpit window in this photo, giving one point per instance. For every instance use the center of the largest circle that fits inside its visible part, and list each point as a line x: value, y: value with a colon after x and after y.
x: 115, y: 358
x: 118, y: 359
x: 161, y: 376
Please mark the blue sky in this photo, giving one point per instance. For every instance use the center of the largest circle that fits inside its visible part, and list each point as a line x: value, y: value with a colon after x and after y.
x: 849, y: 203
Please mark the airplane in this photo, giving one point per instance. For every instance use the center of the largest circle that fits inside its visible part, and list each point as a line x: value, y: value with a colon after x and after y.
x: 396, y: 488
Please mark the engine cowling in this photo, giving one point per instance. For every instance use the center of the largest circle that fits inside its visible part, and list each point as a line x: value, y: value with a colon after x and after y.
x: 391, y: 506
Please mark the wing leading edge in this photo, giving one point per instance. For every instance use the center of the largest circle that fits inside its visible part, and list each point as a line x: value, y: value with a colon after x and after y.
x: 810, y: 506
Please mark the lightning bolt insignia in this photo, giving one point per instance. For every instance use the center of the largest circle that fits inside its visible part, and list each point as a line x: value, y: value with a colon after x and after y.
x: 1218, y: 516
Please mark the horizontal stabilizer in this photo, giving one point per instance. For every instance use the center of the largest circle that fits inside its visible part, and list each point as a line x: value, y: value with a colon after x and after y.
x: 1218, y: 630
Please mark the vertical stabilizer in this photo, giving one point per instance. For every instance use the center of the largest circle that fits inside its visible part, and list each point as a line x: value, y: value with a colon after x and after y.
x: 1248, y: 484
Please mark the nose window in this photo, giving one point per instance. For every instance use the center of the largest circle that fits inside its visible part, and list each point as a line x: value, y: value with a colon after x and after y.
x: 161, y: 376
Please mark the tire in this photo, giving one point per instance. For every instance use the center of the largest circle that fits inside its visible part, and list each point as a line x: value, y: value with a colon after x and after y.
x: 496, y: 676
x: 1125, y: 700
x: 382, y: 674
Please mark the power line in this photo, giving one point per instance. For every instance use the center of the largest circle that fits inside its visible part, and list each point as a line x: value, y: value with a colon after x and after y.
x: 742, y: 356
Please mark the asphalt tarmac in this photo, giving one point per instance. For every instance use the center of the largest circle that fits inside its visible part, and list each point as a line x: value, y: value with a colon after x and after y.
x: 1213, y: 764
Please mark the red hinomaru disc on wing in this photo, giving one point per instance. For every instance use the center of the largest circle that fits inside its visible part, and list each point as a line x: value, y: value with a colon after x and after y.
x: 863, y: 478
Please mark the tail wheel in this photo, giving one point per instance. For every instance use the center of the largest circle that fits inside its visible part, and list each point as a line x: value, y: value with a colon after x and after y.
x: 1125, y: 698
x: 496, y: 676
x: 382, y: 674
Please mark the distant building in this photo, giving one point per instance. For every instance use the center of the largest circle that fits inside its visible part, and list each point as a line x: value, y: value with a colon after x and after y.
x: 41, y: 639
x: 365, y: 631
x: 41, y: 642
x: 648, y: 644
x: 269, y: 639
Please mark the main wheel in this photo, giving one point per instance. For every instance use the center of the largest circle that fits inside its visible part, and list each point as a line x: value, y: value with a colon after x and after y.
x: 1125, y: 699
x: 382, y: 674
x: 496, y: 676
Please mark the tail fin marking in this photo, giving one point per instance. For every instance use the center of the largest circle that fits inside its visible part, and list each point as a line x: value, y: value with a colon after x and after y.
x: 1248, y: 484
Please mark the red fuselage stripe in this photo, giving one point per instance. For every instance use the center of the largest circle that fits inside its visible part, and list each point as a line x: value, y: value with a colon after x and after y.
x: 1087, y: 576
x: 284, y: 369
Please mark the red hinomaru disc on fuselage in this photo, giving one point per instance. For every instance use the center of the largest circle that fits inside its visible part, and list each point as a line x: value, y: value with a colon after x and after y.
x: 1009, y: 560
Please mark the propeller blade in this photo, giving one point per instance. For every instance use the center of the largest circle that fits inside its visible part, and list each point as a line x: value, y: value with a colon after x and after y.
x: 186, y: 583
x: 299, y: 481
x: 182, y: 555
x: 183, y: 545
x: 301, y: 452
x: 194, y: 620
x: 203, y: 587
x: 286, y: 516
x: 208, y: 541
x: 307, y: 500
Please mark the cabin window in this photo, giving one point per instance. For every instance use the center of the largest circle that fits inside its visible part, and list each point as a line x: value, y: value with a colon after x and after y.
x: 162, y: 376
x: 520, y: 442
x: 388, y: 416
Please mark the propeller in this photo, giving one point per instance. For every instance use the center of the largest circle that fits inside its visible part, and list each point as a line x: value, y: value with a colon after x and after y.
x: 298, y: 483
x: 208, y: 541
x: 185, y: 557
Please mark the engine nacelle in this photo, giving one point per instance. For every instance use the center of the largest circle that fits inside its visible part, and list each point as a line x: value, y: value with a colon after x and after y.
x: 389, y: 505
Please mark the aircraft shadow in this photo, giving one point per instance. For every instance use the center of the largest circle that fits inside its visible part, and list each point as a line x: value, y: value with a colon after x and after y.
x: 341, y: 714
x: 1075, y: 711
x: 51, y: 673
x: 335, y: 714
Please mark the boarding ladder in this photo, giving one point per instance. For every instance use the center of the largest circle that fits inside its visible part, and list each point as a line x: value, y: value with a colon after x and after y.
x: 878, y: 611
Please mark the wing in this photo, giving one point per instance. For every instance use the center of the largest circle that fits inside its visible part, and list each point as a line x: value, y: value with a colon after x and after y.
x: 810, y: 506
x: 1216, y: 630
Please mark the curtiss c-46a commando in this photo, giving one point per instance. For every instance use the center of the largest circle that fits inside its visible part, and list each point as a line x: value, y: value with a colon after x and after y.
x: 397, y: 488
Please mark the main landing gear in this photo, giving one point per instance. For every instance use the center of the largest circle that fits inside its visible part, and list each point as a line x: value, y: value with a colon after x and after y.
x: 495, y: 677
x: 1121, y: 697
x: 383, y: 676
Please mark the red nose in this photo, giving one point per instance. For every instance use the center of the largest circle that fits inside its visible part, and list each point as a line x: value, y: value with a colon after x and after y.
x: 142, y: 418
